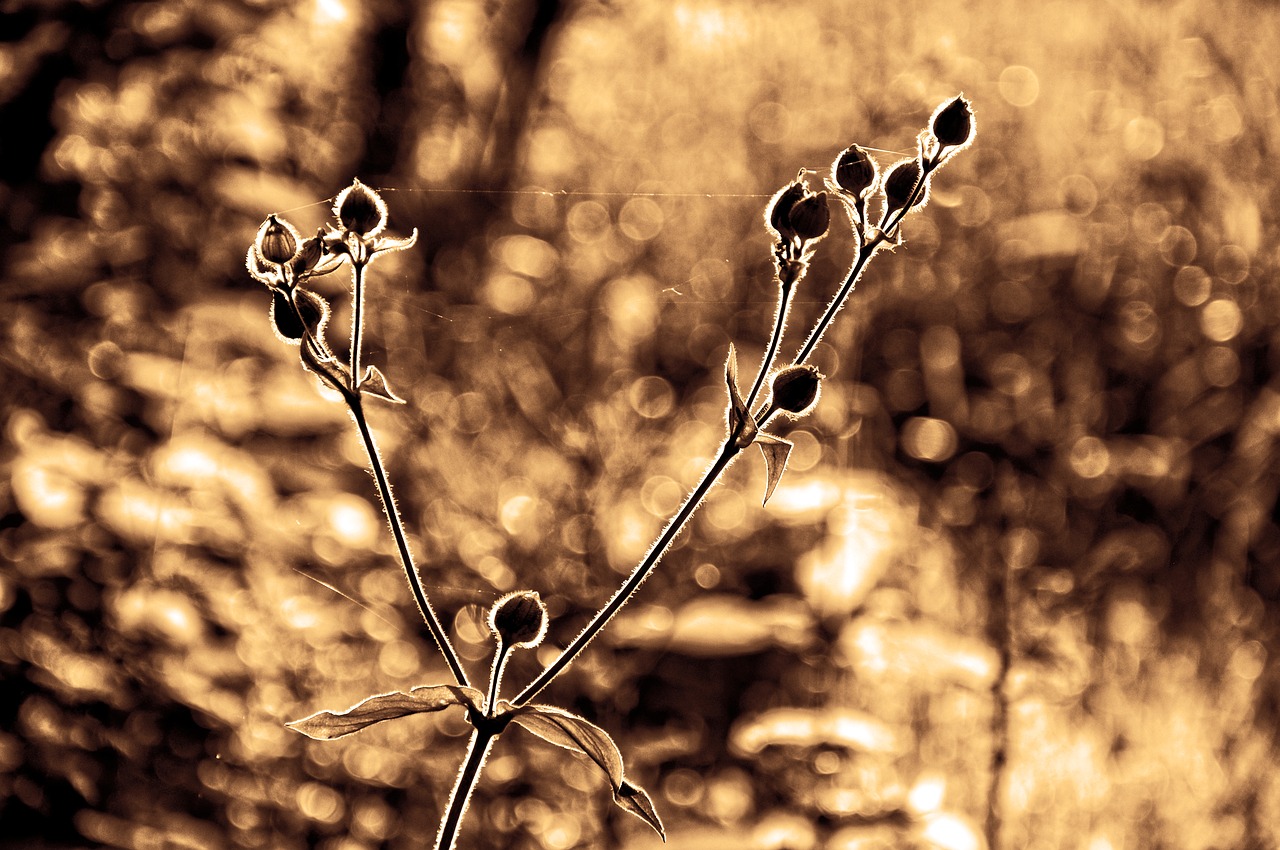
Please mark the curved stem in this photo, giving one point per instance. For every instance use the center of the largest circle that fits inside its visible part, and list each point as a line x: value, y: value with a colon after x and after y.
x: 357, y: 323
x: 779, y: 325
x: 727, y: 453
x: 356, y: 405
x: 477, y: 750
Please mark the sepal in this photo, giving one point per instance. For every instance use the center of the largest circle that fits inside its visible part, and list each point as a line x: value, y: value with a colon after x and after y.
x: 374, y: 383
x: 739, y: 419
x: 776, y: 450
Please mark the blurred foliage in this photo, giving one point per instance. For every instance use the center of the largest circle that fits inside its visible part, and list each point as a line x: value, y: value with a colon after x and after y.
x: 1029, y: 550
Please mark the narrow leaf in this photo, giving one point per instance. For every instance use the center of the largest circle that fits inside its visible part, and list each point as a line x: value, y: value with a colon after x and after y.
x: 568, y: 730
x: 327, y: 725
x: 634, y: 799
x: 775, y: 451
x: 374, y: 383
x: 737, y: 415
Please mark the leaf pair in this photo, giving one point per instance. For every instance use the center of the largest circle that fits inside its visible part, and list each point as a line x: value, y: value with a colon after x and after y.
x: 744, y: 431
x: 560, y: 727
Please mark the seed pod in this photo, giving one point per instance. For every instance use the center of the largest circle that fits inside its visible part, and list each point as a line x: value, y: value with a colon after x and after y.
x: 309, y: 254
x: 854, y: 171
x: 952, y: 124
x: 779, y: 215
x: 899, y: 181
x: 277, y: 241
x: 519, y: 619
x: 794, y: 389
x: 810, y: 216
x: 313, y: 310
x: 361, y: 210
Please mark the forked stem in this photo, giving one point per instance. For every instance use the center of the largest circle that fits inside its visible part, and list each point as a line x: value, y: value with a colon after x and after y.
x: 356, y: 405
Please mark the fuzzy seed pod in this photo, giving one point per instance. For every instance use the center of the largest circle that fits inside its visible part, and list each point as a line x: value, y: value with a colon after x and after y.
x: 952, y: 124
x: 779, y: 215
x: 313, y: 309
x: 277, y: 241
x: 361, y: 210
x: 794, y: 389
x: 810, y: 216
x: 899, y: 181
x: 854, y: 171
x: 519, y: 619
x: 309, y: 254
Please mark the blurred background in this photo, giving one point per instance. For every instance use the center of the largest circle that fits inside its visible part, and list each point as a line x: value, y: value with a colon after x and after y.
x: 1018, y: 589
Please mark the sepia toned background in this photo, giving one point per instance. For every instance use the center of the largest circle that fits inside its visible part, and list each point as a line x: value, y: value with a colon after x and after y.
x: 1019, y: 587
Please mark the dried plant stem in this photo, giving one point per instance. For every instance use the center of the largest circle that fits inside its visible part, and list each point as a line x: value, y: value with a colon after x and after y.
x: 477, y: 751
x: 356, y: 405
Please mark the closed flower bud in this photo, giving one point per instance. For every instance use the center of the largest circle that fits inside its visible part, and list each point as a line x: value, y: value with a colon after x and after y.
x: 854, y: 171
x: 519, y: 619
x: 277, y: 241
x: 361, y: 210
x: 794, y: 389
x: 899, y: 182
x: 810, y: 216
x: 952, y: 124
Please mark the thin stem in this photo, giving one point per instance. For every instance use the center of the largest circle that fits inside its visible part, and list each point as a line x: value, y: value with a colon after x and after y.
x: 356, y: 406
x: 865, y: 253
x: 477, y: 750
x: 728, y: 452
x: 779, y: 325
x: 357, y: 323
x: 495, y: 678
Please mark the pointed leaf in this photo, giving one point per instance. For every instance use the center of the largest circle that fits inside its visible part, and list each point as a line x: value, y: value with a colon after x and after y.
x: 374, y: 383
x: 776, y: 451
x: 634, y: 799
x: 387, y: 244
x: 737, y: 415
x: 327, y: 725
x: 568, y: 730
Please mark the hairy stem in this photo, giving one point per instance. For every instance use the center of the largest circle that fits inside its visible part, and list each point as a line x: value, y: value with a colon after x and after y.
x: 356, y: 405
x: 357, y: 323
x: 477, y: 750
x: 865, y: 253
x: 727, y: 453
x: 495, y: 678
x: 779, y: 325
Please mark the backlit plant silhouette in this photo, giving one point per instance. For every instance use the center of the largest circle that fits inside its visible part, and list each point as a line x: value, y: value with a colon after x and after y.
x: 798, y: 219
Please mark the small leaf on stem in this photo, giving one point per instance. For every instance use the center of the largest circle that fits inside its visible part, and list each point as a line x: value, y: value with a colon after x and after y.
x: 328, y: 725
x: 568, y: 730
x: 776, y: 451
x: 739, y: 419
x: 374, y: 383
